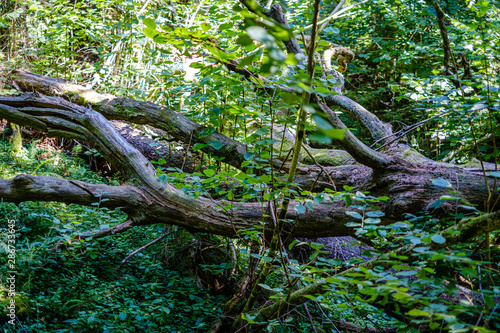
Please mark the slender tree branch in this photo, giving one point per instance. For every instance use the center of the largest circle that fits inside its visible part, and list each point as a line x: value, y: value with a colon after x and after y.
x: 357, y: 149
x: 156, y: 240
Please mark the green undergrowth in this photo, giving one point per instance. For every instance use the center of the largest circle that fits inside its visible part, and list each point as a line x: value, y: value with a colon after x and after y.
x: 81, y: 287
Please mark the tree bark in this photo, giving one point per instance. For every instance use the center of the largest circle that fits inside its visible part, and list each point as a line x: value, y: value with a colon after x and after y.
x: 152, y: 201
x: 147, y: 200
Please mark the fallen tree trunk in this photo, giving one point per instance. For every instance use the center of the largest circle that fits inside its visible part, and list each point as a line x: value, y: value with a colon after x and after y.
x: 152, y: 201
x: 147, y: 200
x: 129, y: 110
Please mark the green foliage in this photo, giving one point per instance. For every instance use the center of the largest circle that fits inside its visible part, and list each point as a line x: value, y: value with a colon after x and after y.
x: 80, y: 287
x: 145, y: 52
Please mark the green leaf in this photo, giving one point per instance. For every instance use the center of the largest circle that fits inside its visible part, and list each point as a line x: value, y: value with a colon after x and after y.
x: 292, y: 244
x: 209, y: 172
x: 441, y: 182
x: 291, y: 59
x: 348, y: 200
x: 159, y: 39
x: 311, y: 297
x: 438, y: 239
x: 418, y: 313
x: 241, y: 175
x: 247, y: 60
x: 248, y: 318
x: 265, y: 178
x: 371, y: 220
x: 290, y: 98
x: 323, y: 43
x: 376, y: 213
x: 150, y: 23
x: 433, y: 325
x: 322, y: 91
x: 354, y: 214
x: 198, y: 146
x: 406, y: 273
x: 489, y: 301
x: 259, y: 34
x: 248, y: 156
x: 215, y: 144
x: 322, y: 123
x: 301, y: 209
x: 205, y: 26
x: 402, y: 297
x: 261, y: 131
x: 244, y: 40
x: 326, y: 128
x: 151, y: 33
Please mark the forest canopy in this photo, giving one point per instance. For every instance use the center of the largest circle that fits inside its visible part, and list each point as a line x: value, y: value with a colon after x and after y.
x: 238, y: 166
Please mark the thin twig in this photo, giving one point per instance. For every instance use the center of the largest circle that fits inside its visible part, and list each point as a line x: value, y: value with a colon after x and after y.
x: 286, y: 158
x: 145, y: 247
x: 405, y: 131
x: 321, y: 167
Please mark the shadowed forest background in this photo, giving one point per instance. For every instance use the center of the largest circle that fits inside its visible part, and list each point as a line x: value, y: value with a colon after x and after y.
x: 236, y: 166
